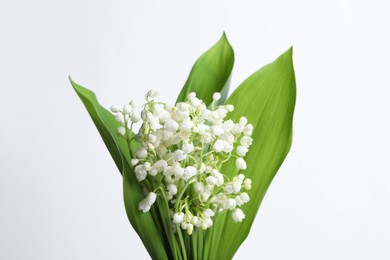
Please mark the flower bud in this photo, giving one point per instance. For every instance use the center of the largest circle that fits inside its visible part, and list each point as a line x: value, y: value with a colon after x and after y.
x: 141, y: 153
x: 195, y: 221
x: 216, y: 96
x: 127, y: 109
x: 248, y: 129
x: 145, y: 128
x: 230, y: 203
x: 147, y: 166
x: 153, y: 172
x: 190, y: 228
x: 239, y: 201
x: 236, y: 187
x: 243, y: 121
x: 203, y: 226
x: 133, y: 104
x: 135, y: 117
x: 191, y: 96
x: 208, y: 213
x: 183, y: 225
x: 229, y: 108
x: 134, y: 161
x: 240, y: 164
x: 179, y: 155
x: 244, y: 197
x: 211, y: 180
x: 219, y: 145
x: 178, y: 217
x: 119, y: 117
x: 238, y: 215
x: 172, y: 189
x: 228, y: 188
x: 248, y: 184
x: 246, y: 141
x: 114, y: 109
x: 151, y: 198
x: 195, y: 102
x: 121, y: 131
x: 217, y: 130
x: 177, y: 170
x: 144, y: 206
x: 152, y: 93
x: 140, y: 172
x: 241, y: 150
x: 189, y: 172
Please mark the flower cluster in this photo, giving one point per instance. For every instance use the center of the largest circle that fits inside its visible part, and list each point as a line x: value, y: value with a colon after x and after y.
x: 179, y: 155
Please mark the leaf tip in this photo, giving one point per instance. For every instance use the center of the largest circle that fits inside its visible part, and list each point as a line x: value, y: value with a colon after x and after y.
x: 287, y: 57
x: 289, y: 52
x: 224, y: 39
x: 70, y: 79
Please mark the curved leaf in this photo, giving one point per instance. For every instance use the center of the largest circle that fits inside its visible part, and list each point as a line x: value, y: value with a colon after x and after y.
x: 267, y: 99
x: 117, y: 146
x: 105, y: 124
x: 143, y: 223
x: 211, y: 73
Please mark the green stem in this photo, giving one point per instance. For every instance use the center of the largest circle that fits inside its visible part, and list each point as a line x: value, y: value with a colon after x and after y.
x: 178, y: 198
x: 167, y: 226
x: 183, y: 248
x: 194, y: 238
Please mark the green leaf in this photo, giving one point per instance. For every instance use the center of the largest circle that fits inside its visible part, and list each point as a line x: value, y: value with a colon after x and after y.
x: 211, y: 73
x: 143, y: 223
x: 105, y: 124
x: 267, y: 99
x: 117, y: 146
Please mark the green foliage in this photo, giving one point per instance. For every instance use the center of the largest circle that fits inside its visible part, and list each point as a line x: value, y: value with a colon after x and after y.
x: 266, y: 98
x: 105, y: 123
x: 211, y: 73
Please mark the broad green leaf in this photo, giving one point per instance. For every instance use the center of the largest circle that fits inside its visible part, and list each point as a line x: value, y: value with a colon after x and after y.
x: 143, y: 223
x: 267, y: 99
x: 211, y: 73
x: 106, y: 125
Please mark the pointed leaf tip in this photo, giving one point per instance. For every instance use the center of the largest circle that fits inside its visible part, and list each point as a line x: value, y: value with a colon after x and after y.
x: 118, y: 148
x: 211, y: 73
x: 224, y: 36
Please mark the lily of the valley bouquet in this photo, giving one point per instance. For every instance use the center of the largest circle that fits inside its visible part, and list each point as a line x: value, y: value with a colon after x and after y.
x: 195, y: 172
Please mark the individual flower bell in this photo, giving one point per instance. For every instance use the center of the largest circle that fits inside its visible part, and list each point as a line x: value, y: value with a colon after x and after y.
x: 238, y: 215
x: 216, y: 96
x: 240, y: 164
x: 180, y: 153
x: 147, y: 202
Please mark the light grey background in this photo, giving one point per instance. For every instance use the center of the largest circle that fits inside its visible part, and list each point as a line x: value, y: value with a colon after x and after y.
x: 60, y: 192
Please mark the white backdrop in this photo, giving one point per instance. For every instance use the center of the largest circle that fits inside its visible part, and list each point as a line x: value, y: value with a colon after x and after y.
x: 60, y: 192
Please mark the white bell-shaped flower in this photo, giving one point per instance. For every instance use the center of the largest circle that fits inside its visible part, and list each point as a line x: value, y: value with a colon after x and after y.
x: 240, y: 164
x: 216, y: 96
x: 238, y: 215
